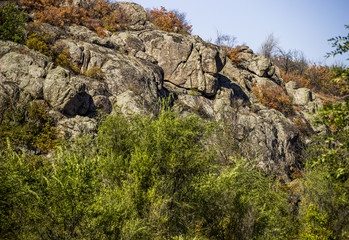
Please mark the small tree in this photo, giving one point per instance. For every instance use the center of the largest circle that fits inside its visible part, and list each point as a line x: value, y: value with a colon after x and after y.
x: 269, y: 46
x: 225, y: 40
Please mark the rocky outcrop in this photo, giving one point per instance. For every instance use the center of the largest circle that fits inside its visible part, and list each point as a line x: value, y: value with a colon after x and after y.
x: 188, y: 62
x: 138, y: 67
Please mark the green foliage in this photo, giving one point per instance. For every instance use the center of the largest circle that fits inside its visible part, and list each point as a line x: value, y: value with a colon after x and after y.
x: 143, y: 178
x: 58, y: 53
x: 315, y: 225
x: 238, y: 203
x: 27, y: 125
x: 38, y: 43
x: 340, y: 43
x: 327, y: 182
x: 12, y: 22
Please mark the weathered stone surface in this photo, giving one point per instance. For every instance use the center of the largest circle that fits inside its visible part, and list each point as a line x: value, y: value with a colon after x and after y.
x: 302, y: 96
x: 65, y: 95
x: 260, y: 65
x: 128, y: 42
x: 135, y: 65
x: 27, y: 69
x: 122, y: 72
x: 136, y: 14
x: 76, y: 126
x: 196, y: 104
x: 187, y: 61
x: 84, y: 34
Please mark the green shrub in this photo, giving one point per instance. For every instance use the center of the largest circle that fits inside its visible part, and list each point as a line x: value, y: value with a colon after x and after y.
x: 59, y: 54
x: 12, y: 22
x: 38, y: 43
x: 144, y: 177
x: 28, y: 125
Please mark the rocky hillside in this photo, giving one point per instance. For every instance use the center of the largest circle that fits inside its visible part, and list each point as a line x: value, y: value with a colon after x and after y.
x: 132, y: 70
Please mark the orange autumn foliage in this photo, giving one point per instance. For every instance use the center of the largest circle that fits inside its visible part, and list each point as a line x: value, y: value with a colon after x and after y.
x: 320, y: 80
x: 62, y: 16
x: 274, y: 97
x: 96, y: 15
x: 168, y: 21
x: 233, y: 55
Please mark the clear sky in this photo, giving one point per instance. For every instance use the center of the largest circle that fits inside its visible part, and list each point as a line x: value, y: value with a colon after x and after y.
x: 304, y: 25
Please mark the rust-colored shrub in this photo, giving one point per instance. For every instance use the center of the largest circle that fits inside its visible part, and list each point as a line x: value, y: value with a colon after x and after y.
x: 97, y: 10
x: 320, y: 78
x: 39, y: 5
x: 233, y: 55
x: 96, y: 15
x: 274, y: 97
x: 301, y: 81
x: 168, y: 21
x: 61, y: 16
x: 115, y: 21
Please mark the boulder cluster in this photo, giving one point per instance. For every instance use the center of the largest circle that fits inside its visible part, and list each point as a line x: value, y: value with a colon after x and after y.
x: 139, y: 67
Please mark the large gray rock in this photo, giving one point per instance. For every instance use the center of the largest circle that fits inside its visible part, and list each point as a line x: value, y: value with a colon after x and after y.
x: 187, y: 61
x: 136, y: 15
x: 121, y: 73
x: 25, y: 68
x: 300, y: 96
x: 67, y: 96
x: 260, y: 65
x: 76, y: 126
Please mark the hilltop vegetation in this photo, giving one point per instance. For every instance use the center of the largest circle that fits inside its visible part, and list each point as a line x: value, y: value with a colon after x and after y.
x: 172, y: 166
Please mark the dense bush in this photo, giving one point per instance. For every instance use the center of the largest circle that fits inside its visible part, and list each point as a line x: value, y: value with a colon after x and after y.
x: 168, y: 21
x: 144, y: 178
x: 96, y: 15
x: 328, y: 171
x: 301, y: 81
x: 12, y: 22
x: 27, y: 126
x: 39, y: 43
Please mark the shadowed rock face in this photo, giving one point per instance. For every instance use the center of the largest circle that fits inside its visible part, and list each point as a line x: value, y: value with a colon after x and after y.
x: 142, y: 65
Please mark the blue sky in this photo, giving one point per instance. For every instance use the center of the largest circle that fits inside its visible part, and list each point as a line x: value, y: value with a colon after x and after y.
x: 304, y: 25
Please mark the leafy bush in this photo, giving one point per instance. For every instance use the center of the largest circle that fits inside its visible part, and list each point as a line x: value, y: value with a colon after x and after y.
x: 274, y: 97
x: 327, y: 169
x: 315, y: 225
x: 28, y: 125
x: 39, y: 43
x: 62, y: 16
x: 59, y: 54
x: 320, y: 80
x: 168, y: 21
x: 144, y: 178
x: 12, y: 22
